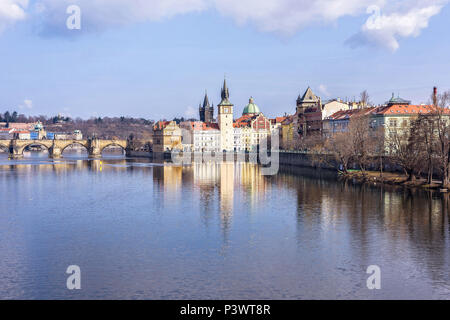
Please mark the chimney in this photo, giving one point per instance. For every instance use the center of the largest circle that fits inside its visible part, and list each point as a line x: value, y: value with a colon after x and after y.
x: 435, y: 96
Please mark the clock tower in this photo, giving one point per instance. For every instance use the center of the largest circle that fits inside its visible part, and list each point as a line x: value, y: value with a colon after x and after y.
x: 225, y: 120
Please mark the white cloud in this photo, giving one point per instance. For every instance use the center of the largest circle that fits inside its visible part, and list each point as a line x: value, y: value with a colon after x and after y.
x: 12, y: 11
x: 398, y: 18
x: 288, y: 16
x: 98, y: 14
x: 406, y: 21
x: 27, y: 104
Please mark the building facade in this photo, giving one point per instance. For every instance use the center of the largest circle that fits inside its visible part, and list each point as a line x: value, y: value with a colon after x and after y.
x: 166, y: 137
x: 200, y: 136
x: 287, y: 133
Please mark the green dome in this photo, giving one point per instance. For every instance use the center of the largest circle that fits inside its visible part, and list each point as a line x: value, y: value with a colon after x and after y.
x: 251, y: 108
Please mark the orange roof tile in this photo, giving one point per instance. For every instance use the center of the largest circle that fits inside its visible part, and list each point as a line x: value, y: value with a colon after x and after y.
x: 406, y: 109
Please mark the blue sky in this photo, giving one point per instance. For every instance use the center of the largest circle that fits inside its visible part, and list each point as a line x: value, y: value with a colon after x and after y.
x: 128, y: 60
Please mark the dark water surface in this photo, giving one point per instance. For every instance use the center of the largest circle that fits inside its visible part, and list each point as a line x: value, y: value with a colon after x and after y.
x: 142, y: 230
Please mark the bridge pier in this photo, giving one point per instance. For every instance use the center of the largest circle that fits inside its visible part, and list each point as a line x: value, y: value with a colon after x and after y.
x: 95, y: 153
x: 54, y: 152
x: 94, y: 150
x: 15, y: 156
x: 15, y: 152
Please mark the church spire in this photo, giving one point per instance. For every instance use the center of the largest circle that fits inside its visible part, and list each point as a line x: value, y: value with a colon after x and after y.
x: 206, y: 101
x: 225, y: 94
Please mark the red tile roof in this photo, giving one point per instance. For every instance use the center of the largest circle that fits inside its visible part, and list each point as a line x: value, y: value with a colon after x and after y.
x: 161, y: 125
x: 199, y: 125
x: 244, y: 121
x: 406, y: 109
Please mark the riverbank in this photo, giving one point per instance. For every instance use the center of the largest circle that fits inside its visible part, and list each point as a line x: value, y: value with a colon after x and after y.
x: 390, y: 178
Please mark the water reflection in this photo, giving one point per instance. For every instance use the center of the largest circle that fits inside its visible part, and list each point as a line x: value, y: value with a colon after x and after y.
x: 207, y: 230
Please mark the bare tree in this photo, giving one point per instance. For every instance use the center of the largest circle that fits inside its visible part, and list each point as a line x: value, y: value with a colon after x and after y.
x: 442, y: 115
x: 424, y: 129
x: 365, y: 98
x: 360, y: 140
x: 379, y: 146
x: 339, y: 147
x: 404, y: 150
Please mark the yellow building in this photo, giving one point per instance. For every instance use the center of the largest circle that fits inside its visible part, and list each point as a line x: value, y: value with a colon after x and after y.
x: 287, y: 133
x: 166, y: 137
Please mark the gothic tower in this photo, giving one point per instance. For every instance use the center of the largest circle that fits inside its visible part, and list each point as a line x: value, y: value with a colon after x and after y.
x: 225, y: 119
x: 206, y: 111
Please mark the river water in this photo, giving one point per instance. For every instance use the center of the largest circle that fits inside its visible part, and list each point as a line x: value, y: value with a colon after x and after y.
x: 143, y: 230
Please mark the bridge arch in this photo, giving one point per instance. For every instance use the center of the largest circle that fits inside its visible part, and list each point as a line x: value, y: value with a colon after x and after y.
x: 4, y: 145
x: 113, y: 144
x: 74, y: 143
x: 23, y: 146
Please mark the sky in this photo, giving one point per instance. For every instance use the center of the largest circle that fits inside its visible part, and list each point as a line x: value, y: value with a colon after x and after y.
x: 155, y: 59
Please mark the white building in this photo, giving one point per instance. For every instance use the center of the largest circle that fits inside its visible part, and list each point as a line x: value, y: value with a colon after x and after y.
x: 333, y: 106
x: 200, y: 136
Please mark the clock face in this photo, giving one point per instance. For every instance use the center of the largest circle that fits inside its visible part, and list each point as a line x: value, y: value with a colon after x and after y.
x: 225, y: 110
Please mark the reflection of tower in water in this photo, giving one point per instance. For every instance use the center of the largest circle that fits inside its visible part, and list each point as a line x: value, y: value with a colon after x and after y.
x: 252, y: 182
x: 226, y: 194
x: 206, y: 178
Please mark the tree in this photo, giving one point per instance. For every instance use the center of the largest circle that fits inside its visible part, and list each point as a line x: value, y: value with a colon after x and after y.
x: 339, y: 147
x: 426, y: 139
x: 379, y: 147
x: 404, y: 149
x: 360, y: 139
x: 365, y: 98
x: 441, y: 114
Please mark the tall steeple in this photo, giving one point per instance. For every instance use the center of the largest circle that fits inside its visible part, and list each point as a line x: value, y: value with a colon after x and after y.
x: 206, y: 111
x: 206, y: 101
x: 225, y: 94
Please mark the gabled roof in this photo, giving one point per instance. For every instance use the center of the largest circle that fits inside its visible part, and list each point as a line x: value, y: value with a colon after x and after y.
x: 278, y: 120
x: 161, y: 125
x: 308, y: 96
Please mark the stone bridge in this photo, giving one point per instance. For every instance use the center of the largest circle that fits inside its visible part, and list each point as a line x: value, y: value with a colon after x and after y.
x: 55, y: 148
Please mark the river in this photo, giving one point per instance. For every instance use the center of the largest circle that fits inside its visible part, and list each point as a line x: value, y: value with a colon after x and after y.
x: 143, y: 230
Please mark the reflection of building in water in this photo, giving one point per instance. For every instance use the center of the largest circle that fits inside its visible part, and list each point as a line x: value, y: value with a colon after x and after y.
x: 226, y: 193
x: 252, y: 182
x: 206, y: 173
x: 169, y: 177
x: 206, y: 177
x: 209, y: 177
